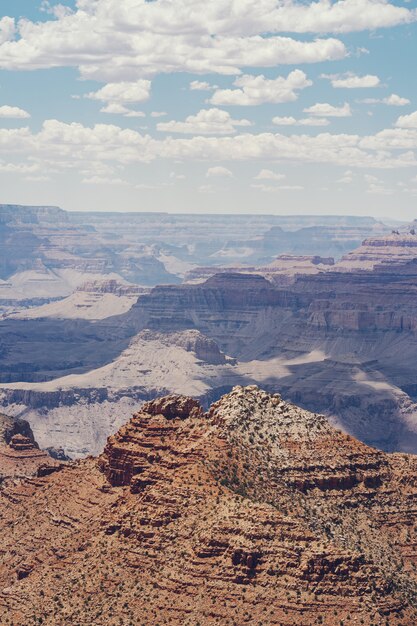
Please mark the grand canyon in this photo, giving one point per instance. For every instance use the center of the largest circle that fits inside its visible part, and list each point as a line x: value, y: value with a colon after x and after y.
x: 208, y: 313
x: 269, y: 465
x: 336, y: 335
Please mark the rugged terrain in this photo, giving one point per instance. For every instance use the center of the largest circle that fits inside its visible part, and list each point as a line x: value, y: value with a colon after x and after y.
x: 257, y: 512
x: 342, y: 343
x: 338, y: 338
x: 94, y: 300
x: 46, y: 253
x: 20, y: 455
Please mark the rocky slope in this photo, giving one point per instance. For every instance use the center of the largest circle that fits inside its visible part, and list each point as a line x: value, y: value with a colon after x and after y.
x: 20, y: 455
x: 256, y: 512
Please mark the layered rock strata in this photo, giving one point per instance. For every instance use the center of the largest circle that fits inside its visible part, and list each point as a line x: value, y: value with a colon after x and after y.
x: 20, y: 455
x: 256, y: 512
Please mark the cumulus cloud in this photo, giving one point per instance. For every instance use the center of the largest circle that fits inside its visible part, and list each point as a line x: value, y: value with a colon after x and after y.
x: 392, y: 100
x: 114, y: 41
x: 407, y: 121
x: 396, y: 101
x: 117, y: 95
x: 99, y: 180
x: 351, y: 81
x: 205, y: 122
x: 7, y: 29
x: 219, y: 172
x: 269, y: 175
x: 63, y: 145
x: 253, y: 90
x: 275, y: 188
x: 19, y: 168
x: 305, y: 121
x: 119, y: 109
x: 346, y: 179
x: 200, y: 85
x: 324, y: 109
x: 13, y: 112
x: 57, y: 10
x: 123, y: 93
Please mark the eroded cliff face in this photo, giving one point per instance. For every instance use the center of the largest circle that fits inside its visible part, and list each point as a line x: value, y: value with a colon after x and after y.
x: 255, y: 512
x: 20, y: 455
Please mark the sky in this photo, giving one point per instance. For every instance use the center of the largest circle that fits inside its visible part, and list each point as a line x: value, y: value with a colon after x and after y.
x: 226, y: 106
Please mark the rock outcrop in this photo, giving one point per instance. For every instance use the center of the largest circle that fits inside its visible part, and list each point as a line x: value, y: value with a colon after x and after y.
x: 255, y: 512
x: 20, y: 455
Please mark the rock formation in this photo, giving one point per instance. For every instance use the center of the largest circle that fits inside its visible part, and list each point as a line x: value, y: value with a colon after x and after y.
x: 93, y: 300
x: 20, y: 455
x: 256, y: 512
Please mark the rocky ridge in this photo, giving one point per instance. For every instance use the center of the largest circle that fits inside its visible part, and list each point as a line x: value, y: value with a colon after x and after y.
x: 255, y: 512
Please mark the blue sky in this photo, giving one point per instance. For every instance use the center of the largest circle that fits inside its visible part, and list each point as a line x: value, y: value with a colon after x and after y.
x: 229, y: 106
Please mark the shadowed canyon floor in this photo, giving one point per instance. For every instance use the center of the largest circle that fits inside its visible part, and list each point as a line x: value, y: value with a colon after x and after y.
x: 256, y: 512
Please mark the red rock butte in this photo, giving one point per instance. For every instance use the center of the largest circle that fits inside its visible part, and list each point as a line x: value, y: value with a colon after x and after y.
x: 256, y: 512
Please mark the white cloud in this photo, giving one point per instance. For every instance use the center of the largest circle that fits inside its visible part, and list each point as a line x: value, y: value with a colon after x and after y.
x: 199, y: 85
x: 205, y: 122
x: 99, y: 180
x: 18, y: 168
x: 113, y: 41
x: 158, y: 113
x: 13, y: 113
x: 219, y: 172
x: 351, y: 81
x: 63, y: 145
x: 123, y: 93
x: 57, y: 10
x: 407, y: 121
x: 347, y: 178
x: 117, y: 95
x: 120, y: 109
x: 324, y: 109
x: 205, y: 189
x: 396, y: 101
x: 275, y: 188
x: 306, y: 121
x: 253, y: 90
x: 392, y: 100
x: 37, y: 179
x: 269, y: 175
x: 7, y: 29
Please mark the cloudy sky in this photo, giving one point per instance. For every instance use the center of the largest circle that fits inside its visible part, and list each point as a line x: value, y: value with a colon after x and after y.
x: 273, y: 106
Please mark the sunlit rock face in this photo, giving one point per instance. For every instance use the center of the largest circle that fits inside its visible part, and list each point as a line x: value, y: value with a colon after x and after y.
x: 256, y: 502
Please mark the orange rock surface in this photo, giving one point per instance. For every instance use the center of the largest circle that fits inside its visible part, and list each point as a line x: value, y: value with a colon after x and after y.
x: 255, y: 513
x: 20, y: 455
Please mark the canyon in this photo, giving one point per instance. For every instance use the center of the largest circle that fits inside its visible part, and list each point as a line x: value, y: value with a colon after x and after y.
x: 334, y: 336
x: 46, y: 253
x: 254, y: 512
